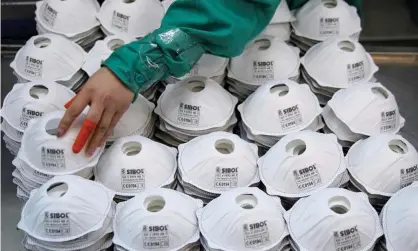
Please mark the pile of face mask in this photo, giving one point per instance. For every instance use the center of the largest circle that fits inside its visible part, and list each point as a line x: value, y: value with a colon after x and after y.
x: 279, y: 26
x: 399, y: 220
x: 135, y: 163
x: 336, y: 64
x: 302, y: 163
x: 212, y: 164
x: 243, y: 219
x: 362, y: 110
x: 68, y: 213
x: 275, y: 110
x: 27, y: 101
x: 51, y: 57
x: 382, y: 165
x: 319, y: 20
x: 265, y: 60
x: 43, y: 155
x: 160, y: 219
x: 130, y: 17
x: 333, y: 219
x: 194, y: 106
x: 76, y: 20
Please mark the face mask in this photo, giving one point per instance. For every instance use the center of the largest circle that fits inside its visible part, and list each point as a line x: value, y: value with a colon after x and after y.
x: 165, y: 212
x: 136, y: 18
x: 196, y: 104
x: 133, y: 164
x: 13, y: 136
x: 399, y: 220
x: 102, y: 245
x: 333, y: 219
x: 282, y: 14
x: 166, y: 4
x: 65, y: 208
x: 280, y: 31
x: 243, y: 219
x: 383, y: 164
x: 278, y: 109
x: 42, y: 58
x: 304, y: 162
x: 320, y: 20
x: 350, y: 63
x: 46, y: 153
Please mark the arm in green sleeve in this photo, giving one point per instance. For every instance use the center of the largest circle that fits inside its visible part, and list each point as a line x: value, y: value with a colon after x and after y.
x: 189, y: 29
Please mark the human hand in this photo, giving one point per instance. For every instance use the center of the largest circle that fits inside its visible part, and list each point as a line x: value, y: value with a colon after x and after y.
x: 108, y: 98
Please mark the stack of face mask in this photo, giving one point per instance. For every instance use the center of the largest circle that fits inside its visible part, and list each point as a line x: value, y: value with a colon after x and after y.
x: 319, y: 20
x: 381, y: 165
x: 399, y: 219
x: 212, y: 164
x: 243, y: 219
x: 137, y: 120
x: 27, y: 101
x: 336, y: 64
x: 275, y: 110
x: 135, y: 163
x: 194, y: 106
x: 265, y: 60
x: 360, y: 111
x: 304, y: 162
x: 279, y: 26
x: 68, y: 213
x: 333, y: 219
x: 43, y: 155
x: 130, y: 17
x: 51, y: 57
x: 161, y: 219
x: 76, y: 20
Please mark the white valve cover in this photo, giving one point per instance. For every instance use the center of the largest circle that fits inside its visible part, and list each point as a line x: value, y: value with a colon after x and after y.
x: 279, y: 108
x: 164, y: 211
x: 218, y: 162
x: 334, y: 219
x: 383, y: 164
x: 243, y: 219
x: 303, y: 162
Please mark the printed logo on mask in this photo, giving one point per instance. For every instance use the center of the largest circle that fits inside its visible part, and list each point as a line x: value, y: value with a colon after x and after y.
x: 263, y: 70
x: 347, y: 239
x: 408, y: 176
x: 120, y: 21
x: 256, y: 234
x: 53, y: 158
x: 188, y: 114
x: 57, y: 224
x: 132, y: 179
x: 155, y: 237
x: 33, y: 67
x: 290, y: 118
x: 355, y: 72
x: 226, y: 177
x: 50, y: 15
x: 388, y: 121
x: 28, y: 114
x: 307, y: 178
x: 329, y: 26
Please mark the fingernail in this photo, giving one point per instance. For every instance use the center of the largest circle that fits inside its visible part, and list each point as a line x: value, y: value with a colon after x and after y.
x: 90, y: 152
x: 60, y: 132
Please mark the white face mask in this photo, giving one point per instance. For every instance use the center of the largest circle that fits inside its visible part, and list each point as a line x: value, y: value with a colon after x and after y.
x: 279, y: 31
x: 278, y: 109
x: 282, y: 14
x: 399, y: 220
x: 320, y: 20
x: 133, y: 164
x: 304, y: 162
x: 14, y: 136
x: 218, y: 162
x: 165, y: 212
x: 333, y: 219
x: 243, y: 219
x: 102, y: 244
x: 383, y: 164
x: 196, y: 104
x: 137, y: 18
x: 46, y: 153
x: 65, y: 208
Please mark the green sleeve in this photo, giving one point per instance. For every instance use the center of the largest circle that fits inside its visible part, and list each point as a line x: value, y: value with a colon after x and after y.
x: 189, y: 29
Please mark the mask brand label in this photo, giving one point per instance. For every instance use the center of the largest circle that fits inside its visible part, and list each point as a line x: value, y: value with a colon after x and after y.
x: 355, y: 72
x: 263, y: 70
x: 28, y: 114
x: 307, y: 178
x: 388, y: 121
x: 188, y: 114
x: 49, y: 15
x: 120, y: 21
x: 155, y: 237
x: 132, y: 179
x: 256, y: 234
x: 408, y: 176
x: 53, y: 158
x: 33, y: 67
x: 226, y: 177
x: 347, y: 239
x: 329, y: 26
x: 57, y: 224
x: 290, y: 118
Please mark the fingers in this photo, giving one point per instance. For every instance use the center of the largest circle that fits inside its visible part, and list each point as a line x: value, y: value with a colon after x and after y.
x: 68, y: 104
x: 75, y: 107
x: 112, y: 125
x: 100, y: 132
x: 88, y: 127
